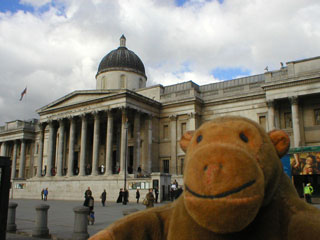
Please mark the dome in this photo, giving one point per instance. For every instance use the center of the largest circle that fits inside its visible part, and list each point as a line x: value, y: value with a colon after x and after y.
x: 122, y: 59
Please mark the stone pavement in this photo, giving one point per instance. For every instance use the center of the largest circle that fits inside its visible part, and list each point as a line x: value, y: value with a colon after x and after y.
x: 61, y: 217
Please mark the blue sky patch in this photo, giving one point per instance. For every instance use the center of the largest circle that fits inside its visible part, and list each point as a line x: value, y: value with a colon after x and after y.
x: 229, y: 73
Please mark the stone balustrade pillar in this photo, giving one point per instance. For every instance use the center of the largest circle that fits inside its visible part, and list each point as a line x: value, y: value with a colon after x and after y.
x: 22, y: 158
x: 41, y: 226
x: 96, y: 138
x: 11, y: 220
x: 80, y: 230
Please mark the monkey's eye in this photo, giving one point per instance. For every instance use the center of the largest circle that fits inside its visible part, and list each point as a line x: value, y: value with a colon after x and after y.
x: 243, y: 137
x: 199, y: 138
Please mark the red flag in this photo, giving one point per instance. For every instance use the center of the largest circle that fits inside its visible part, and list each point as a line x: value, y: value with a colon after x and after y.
x: 23, y: 93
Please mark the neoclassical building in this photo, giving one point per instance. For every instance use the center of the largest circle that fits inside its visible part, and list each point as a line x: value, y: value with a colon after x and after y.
x: 100, y: 137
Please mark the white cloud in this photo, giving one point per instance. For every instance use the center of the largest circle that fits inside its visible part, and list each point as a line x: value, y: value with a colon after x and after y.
x: 58, y: 51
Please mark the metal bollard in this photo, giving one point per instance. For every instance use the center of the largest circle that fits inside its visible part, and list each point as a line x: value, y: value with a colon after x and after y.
x: 41, y: 229
x: 80, y: 230
x: 11, y: 222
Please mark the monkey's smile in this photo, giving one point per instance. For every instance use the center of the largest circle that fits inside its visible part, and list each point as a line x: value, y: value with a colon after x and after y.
x: 224, y: 194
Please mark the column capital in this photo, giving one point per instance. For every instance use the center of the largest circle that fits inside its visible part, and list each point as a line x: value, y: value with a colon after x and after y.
x: 192, y: 114
x: 173, y: 117
x: 270, y: 103
x: 294, y: 100
x: 95, y: 113
x: 83, y: 116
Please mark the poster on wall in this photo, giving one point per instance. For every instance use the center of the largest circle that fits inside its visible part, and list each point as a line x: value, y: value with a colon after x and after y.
x: 305, y: 163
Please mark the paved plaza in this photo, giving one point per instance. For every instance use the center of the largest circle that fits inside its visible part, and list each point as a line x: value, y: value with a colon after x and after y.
x: 61, y: 217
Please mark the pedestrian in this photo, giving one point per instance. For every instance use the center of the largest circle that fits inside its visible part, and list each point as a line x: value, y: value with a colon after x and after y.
x: 87, y: 192
x: 89, y: 202
x: 42, y: 193
x: 308, y: 190
x: 150, y: 199
x: 137, y: 195
x: 119, y: 200
x: 45, y: 193
x: 125, y: 196
x: 103, y: 197
x: 156, y: 192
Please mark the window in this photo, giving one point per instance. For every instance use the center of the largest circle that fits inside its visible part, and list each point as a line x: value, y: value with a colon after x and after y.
x: 317, y: 116
x: 262, y: 122
x: 183, y: 128
x: 165, y: 131
x: 181, y: 165
x: 140, y: 83
x: 287, y: 120
x: 166, y: 166
x: 122, y: 81
x: 37, y: 149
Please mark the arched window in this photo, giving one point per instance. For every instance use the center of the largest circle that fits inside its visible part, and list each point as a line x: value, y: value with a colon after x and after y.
x: 140, y: 83
x: 122, y: 81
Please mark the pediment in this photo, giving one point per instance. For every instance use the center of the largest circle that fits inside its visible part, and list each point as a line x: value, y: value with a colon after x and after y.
x: 77, y: 97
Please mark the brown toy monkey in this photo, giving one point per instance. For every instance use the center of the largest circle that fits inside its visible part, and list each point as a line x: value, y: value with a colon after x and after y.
x: 234, y: 188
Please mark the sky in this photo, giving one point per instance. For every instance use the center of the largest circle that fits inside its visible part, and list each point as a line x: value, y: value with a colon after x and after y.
x: 54, y: 47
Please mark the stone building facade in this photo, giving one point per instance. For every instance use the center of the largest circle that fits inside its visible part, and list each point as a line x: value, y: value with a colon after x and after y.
x: 96, y: 137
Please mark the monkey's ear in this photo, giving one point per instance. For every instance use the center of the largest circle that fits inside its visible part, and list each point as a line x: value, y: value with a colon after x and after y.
x: 280, y: 141
x: 185, y: 140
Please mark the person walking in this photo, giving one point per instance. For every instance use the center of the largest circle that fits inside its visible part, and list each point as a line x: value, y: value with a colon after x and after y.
x: 308, y: 190
x: 120, y: 197
x: 125, y: 197
x: 42, y: 194
x: 45, y: 193
x: 103, y: 197
x: 150, y: 199
x: 137, y: 195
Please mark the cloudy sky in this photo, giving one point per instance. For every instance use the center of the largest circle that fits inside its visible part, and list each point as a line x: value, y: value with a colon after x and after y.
x: 54, y: 46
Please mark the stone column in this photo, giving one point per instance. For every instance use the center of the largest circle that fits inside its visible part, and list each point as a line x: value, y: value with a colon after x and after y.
x: 295, y: 121
x: 50, y: 149
x: 109, y: 144
x: 137, y: 143
x: 14, y: 160
x: 96, y: 138
x: 84, y: 126
x: 71, y: 146
x: 271, y: 113
x: 40, y: 154
x: 22, y: 158
x: 173, y: 136
x: 123, y: 141
x: 60, y: 148
x: 4, y: 149
x: 149, y: 163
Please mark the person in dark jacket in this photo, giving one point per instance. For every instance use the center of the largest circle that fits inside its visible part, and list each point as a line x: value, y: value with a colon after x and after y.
x: 103, y: 197
x: 156, y: 192
x: 125, y: 196
x: 150, y: 198
x: 137, y: 195
x: 119, y: 200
